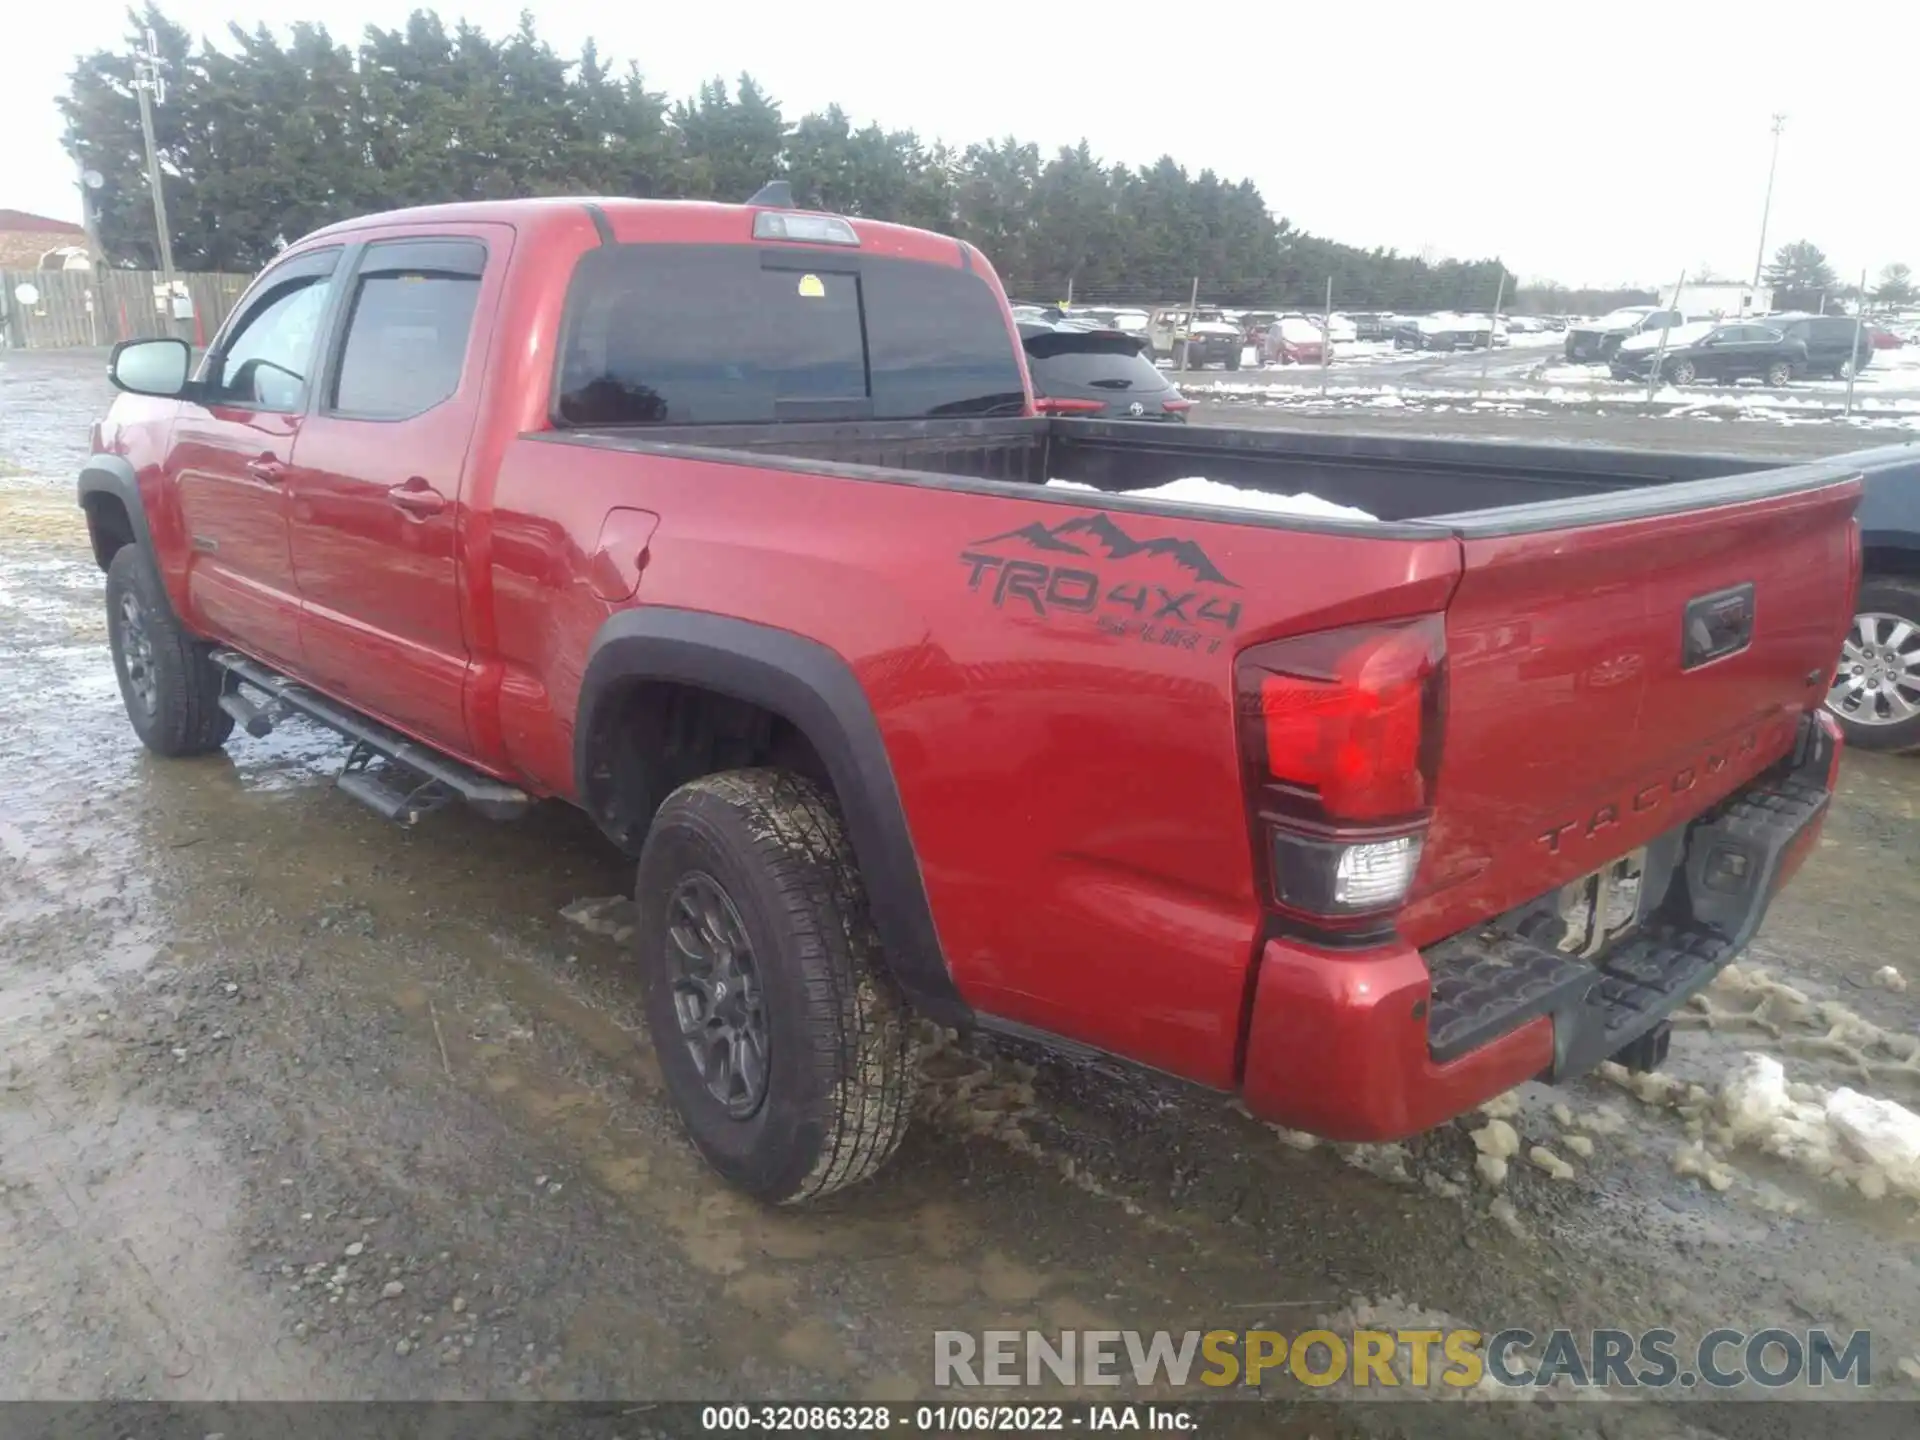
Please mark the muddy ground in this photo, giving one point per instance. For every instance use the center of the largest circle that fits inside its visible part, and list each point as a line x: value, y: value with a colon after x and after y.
x: 300, y: 1105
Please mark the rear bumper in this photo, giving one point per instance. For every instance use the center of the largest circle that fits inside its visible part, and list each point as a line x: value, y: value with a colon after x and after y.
x: 1382, y: 1044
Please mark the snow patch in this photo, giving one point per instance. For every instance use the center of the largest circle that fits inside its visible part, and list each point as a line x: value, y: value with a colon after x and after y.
x: 1498, y: 1139
x: 1198, y: 490
x: 1880, y: 1134
x: 1841, y: 1136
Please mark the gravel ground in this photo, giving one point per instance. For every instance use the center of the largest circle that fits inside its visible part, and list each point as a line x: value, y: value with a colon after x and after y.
x: 301, y: 1106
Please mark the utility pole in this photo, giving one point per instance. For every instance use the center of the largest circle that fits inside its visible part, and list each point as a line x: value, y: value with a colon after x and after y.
x: 87, y: 181
x: 1499, y: 297
x: 1186, y: 346
x: 1759, y: 259
x: 151, y: 87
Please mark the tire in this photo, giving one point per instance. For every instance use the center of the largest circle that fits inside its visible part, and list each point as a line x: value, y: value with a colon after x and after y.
x: 169, y: 686
x: 763, y: 857
x: 1887, y: 718
x: 1846, y: 371
x: 1778, y: 374
x: 1681, y: 372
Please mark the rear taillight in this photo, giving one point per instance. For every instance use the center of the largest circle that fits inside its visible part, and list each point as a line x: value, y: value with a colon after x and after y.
x: 1340, y: 735
x: 1066, y: 405
x: 1177, y: 403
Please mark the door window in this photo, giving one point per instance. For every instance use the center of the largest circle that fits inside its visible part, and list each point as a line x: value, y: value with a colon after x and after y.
x: 265, y: 362
x: 407, y: 330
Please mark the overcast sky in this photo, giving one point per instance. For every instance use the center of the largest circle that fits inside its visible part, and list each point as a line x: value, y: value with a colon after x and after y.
x: 1583, y: 140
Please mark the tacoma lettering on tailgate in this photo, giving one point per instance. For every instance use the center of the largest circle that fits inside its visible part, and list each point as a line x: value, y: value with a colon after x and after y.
x: 1655, y: 793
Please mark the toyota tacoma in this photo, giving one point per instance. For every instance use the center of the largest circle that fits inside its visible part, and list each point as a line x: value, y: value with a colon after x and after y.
x: 731, y: 526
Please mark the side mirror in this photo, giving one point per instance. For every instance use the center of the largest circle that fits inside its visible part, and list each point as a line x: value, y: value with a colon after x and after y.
x: 151, y: 367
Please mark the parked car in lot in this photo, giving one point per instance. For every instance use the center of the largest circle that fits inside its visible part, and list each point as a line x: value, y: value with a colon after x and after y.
x: 1445, y: 330
x: 1876, y: 690
x: 1340, y: 329
x: 1596, y: 340
x: 1523, y: 325
x: 1206, y: 338
x: 1293, y: 340
x: 1372, y: 325
x: 1137, y: 323
x: 1713, y: 352
x: 1254, y: 325
x: 1837, y: 347
x: 1884, y: 339
x: 733, y: 527
x: 1088, y: 372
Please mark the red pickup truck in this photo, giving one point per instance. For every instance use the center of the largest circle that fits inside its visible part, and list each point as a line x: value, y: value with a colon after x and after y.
x: 730, y: 525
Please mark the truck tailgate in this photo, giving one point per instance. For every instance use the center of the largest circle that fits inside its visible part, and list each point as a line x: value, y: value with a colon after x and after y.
x: 1607, y: 682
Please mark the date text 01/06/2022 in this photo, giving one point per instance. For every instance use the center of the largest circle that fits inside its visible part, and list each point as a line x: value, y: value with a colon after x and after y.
x: 947, y: 1419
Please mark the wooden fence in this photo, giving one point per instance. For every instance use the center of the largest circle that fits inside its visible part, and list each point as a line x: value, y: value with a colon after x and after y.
x: 72, y: 308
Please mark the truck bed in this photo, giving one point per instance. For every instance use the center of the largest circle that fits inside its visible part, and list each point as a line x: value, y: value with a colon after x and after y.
x: 1473, y: 488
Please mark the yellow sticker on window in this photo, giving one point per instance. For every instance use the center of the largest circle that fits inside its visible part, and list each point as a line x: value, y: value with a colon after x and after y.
x: 811, y: 288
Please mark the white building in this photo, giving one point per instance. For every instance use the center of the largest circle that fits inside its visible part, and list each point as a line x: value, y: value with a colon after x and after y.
x: 1720, y: 300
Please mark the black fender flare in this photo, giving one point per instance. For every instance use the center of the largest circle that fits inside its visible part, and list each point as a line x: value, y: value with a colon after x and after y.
x: 112, y: 475
x: 813, y: 689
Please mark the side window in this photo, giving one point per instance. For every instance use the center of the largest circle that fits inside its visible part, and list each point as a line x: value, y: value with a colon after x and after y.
x: 407, y: 328
x: 265, y: 362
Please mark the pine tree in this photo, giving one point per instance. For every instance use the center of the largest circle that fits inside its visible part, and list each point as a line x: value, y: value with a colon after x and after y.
x: 264, y: 138
x: 1800, y: 277
x: 1896, y: 285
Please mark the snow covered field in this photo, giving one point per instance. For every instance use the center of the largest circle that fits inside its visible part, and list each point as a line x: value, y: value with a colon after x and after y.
x: 1815, y: 403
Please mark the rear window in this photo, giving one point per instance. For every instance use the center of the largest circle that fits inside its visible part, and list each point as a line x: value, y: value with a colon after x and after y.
x: 1091, y: 362
x: 726, y: 334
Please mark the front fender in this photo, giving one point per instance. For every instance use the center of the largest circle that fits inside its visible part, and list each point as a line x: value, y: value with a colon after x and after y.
x: 107, y: 476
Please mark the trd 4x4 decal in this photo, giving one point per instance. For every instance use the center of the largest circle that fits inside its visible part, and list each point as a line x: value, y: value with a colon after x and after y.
x: 1190, y: 613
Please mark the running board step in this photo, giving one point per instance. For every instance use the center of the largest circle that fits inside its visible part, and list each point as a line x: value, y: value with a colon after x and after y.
x: 442, y: 777
x: 391, y: 792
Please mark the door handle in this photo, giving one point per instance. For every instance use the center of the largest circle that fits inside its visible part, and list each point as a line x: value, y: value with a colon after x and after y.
x: 416, y: 497
x: 267, y: 469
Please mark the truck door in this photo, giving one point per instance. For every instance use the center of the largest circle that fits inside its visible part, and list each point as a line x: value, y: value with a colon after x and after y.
x: 230, y: 458
x: 376, y: 488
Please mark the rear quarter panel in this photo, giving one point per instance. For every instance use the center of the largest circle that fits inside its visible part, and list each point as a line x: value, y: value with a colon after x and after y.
x: 1067, y: 764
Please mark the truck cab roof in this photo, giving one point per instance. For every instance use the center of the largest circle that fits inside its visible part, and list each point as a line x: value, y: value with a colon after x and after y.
x: 625, y: 221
